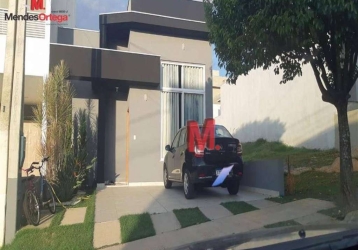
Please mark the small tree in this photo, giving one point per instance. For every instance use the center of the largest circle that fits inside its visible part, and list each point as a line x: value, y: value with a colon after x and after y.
x: 56, y: 110
x: 285, y: 34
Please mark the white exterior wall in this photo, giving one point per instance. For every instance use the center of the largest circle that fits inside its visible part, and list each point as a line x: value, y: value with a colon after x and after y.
x: 2, y: 52
x: 216, y: 110
x: 294, y: 113
x: 36, y: 57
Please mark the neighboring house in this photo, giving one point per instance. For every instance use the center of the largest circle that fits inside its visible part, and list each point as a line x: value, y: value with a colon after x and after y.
x: 147, y: 71
x: 39, y: 35
x: 218, y: 81
x: 258, y: 106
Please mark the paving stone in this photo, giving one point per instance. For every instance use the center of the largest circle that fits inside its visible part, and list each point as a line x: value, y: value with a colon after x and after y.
x: 74, y: 216
x: 262, y: 203
x: 215, y: 212
x: 106, y: 234
x: 315, y: 219
x: 165, y: 222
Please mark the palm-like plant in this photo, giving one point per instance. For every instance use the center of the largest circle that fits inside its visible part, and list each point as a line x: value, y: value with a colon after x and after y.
x: 56, y: 111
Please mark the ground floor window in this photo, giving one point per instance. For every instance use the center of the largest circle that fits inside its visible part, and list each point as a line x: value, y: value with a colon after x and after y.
x: 183, y: 98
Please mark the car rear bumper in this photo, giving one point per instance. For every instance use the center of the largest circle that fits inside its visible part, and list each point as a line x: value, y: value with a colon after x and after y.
x: 207, y: 174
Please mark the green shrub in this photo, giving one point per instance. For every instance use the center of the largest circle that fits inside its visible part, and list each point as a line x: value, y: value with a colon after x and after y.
x: 65, y: 140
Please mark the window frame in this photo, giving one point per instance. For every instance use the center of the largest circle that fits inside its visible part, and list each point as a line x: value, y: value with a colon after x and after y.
x: 182, y: 91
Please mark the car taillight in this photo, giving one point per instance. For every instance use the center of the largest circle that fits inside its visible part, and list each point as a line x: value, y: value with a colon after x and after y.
x: 239, y: 149
x: 198, y: 152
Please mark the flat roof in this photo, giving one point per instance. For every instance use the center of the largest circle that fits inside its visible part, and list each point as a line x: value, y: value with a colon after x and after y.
x: 95, y: 64
x: 151, y: 23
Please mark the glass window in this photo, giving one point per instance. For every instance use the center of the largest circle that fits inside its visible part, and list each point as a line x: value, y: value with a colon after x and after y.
x: 176, y: 140
x: 193, y: 108
x: 170, y: 118
x: 182, y: 137
x: 183, y: 89
x: 192, y: 77
x: 221, y: 131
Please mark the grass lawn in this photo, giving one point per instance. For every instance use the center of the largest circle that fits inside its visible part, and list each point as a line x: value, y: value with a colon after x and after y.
x: 190, y: 216
x: 319, y: 185
x: 238, y: 207
x: 136, y: 226
x: 283, y: 224
x: 79, y: 236
x: 299, y: 157
x: 314, y: 184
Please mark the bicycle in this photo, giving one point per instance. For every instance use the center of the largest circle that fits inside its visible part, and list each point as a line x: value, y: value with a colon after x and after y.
x: 33, y: 201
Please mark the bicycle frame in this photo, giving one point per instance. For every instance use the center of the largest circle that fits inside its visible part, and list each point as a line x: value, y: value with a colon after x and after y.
x: 31, y: 185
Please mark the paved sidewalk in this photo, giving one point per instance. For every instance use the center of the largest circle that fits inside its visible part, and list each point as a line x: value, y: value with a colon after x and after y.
x: 270, y: 213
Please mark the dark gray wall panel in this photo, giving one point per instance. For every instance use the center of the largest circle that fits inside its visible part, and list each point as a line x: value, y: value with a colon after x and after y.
x: 90, y: 64
x: 265, y: 174
x: 186, y: 9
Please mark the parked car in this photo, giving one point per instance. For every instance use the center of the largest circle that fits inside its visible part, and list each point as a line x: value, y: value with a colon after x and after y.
x: 195, y: 171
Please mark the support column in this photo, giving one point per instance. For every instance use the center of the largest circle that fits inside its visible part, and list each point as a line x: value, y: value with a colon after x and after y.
x: 102, y: 109
x: 5, y: 114
x: 16, y: 127
x: 103, y: 31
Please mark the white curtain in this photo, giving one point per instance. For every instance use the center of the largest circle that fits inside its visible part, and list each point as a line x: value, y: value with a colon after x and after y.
x: 194, y: 108
x: 192, y: 78
x: 170, y: 76
x: 170, y: 118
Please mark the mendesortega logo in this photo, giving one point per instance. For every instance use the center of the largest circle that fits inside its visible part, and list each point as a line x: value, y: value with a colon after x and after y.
x: 36, y: 17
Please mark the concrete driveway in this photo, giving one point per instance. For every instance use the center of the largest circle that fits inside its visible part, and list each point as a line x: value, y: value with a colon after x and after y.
x: 115, y: 201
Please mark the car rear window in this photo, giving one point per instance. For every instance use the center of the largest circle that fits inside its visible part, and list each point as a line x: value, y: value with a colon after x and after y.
x: 220, y: 132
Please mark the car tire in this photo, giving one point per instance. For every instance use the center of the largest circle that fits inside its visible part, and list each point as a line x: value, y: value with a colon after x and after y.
x: 189, y: 188
x: 233, y: 188
x: 167, y: 183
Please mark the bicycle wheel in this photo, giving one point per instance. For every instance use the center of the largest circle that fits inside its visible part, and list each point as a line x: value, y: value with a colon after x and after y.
x: 50, y: 199
x: 32, y: 208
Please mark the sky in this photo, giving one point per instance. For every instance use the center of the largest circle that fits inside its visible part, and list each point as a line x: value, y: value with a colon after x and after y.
x: 89, y: 10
